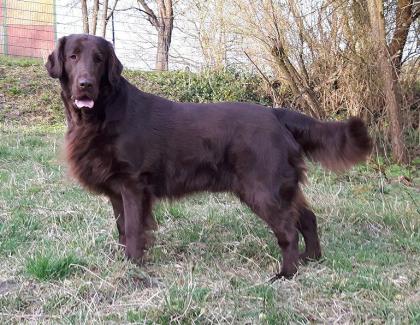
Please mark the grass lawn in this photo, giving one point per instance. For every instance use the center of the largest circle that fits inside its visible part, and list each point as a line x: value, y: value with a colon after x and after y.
x: 60, y: 260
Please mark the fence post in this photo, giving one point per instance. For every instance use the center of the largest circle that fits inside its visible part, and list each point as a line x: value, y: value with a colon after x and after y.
x: 5, y: 38
x: 55, y: 21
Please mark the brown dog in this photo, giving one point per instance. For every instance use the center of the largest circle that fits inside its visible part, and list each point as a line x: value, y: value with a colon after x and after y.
x: 135, y: 147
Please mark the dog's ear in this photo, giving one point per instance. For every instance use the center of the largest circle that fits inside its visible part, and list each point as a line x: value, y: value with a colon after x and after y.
x: 55, y: 60
x: 114, y: 67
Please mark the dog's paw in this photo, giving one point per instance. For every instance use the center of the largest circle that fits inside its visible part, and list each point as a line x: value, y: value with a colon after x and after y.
x: 281, y: 275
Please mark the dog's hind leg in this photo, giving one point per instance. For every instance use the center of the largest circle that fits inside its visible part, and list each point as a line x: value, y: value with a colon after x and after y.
x: 281, y: 217
x: 284, y: 228
x: 307, y: 225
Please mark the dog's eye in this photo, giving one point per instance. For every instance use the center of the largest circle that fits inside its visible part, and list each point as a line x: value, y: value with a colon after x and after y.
x: 73, y: 56
x: 97, y: 59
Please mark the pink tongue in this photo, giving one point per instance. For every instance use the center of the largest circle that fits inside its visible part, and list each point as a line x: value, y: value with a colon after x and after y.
x: 84, y: 103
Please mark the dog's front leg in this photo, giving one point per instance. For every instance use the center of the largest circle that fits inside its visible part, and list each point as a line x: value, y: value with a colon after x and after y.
x: 134, y: 231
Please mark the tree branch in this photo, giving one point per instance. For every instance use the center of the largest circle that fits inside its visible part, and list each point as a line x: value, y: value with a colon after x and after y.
x: 150, y: 13
x: 112, y: 10
x: 403, y: 21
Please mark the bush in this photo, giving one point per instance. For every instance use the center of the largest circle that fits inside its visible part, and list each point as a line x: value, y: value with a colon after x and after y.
x: 206, y: 86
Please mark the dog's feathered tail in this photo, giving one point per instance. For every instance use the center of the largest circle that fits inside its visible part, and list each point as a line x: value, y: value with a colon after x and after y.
x: 336, y: 145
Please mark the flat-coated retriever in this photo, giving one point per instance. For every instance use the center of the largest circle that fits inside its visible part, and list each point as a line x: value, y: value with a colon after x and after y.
x: 136, y: 147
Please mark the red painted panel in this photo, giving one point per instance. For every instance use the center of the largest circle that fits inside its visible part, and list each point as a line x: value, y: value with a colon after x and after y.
x: 30, y: 40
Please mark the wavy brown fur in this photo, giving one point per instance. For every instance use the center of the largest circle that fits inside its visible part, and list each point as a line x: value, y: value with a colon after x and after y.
x: 336, y: 145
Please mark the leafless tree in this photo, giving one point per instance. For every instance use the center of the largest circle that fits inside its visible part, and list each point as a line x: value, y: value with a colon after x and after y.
x: 163, y: 21
x: 211, y: 30
x: 334, y: 55
x: 389, y: 64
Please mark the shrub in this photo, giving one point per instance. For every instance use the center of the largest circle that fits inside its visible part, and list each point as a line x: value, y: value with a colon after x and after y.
x: 206, y: 86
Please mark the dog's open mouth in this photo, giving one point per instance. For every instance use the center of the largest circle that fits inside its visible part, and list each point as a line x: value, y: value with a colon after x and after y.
x: 84, y: 102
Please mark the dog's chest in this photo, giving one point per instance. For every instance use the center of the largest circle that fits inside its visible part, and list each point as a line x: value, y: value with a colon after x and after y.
x: 90, y: 156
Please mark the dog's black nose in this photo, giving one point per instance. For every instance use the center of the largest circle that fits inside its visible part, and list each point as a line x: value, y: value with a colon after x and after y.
x: 85, y: 83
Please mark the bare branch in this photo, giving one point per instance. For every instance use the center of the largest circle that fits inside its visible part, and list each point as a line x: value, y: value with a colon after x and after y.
x: 112, y: 10
x: 403, y: 21
x: 150, y: 13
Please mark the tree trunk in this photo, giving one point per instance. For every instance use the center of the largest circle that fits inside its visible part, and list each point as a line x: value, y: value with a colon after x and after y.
x: 107, y: 14
x: 166, y: 22
x: 95, y: 16
x: 403, y: 22
x: 85, y: 17
x: 393, y: 99
x: 162, y: 55
x: 105, y: 17
x: 164, y: 25
x: 391, y: 86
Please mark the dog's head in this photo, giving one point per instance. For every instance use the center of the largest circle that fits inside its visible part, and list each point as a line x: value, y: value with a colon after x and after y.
x: 85, y: 65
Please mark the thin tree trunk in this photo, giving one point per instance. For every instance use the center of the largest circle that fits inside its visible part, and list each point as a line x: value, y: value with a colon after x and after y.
x: 391, y: 86
x: 85, y: 17
x: 403, y: 21
x: 302, y: 92
x: 95, y: 16
x: 105, y: 17
x: 164, y: 25
x: 162, y: 56
x: 165, y: 34
x: 393, y: 99
x: 107, y: 14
